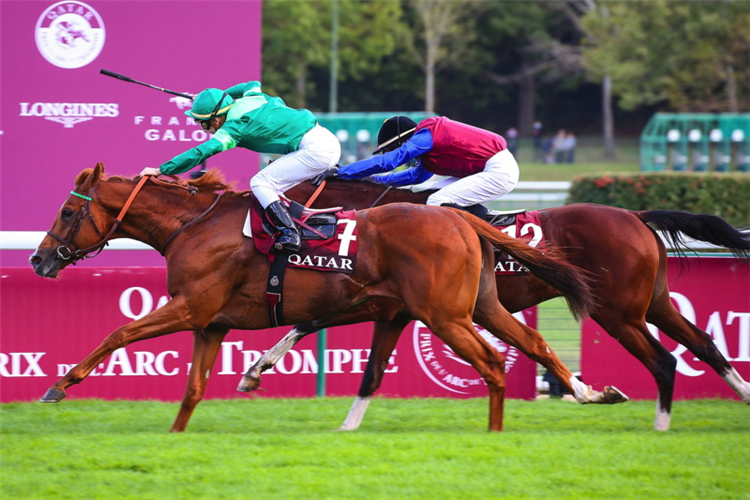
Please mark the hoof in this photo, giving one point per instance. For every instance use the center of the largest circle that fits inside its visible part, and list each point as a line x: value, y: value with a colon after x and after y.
x: 248, y: 384
x: 53, y: 396
x: 613, y: 396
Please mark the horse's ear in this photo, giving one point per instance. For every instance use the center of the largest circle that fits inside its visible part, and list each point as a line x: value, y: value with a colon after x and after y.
x: 98, y: 172
x: 88, y: 178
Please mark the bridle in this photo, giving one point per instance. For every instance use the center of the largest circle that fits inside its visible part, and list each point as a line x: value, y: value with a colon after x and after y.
x: 64, y: 251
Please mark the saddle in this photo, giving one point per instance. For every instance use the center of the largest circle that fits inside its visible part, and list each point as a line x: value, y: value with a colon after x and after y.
x: 312, y: 225
x: 502, y: 218
x: 329, y: 243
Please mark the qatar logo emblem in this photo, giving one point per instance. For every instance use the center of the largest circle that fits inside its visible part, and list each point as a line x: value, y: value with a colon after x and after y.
x: 446, y: 369
x: 70, y: 35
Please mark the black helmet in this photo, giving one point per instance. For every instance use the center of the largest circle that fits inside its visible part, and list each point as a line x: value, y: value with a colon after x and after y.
x: 394, y: 129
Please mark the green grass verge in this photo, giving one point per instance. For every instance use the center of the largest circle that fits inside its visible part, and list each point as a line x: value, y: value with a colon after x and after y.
x: 420, y: 448
x: 547, y: 173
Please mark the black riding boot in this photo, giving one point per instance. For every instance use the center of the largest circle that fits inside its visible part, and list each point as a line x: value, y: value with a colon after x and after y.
x: 288, y: 239
x: 477, y: 210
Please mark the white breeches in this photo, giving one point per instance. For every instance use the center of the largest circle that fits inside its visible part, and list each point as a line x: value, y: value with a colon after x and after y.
x: 499, y: 177
x: 318, y: 150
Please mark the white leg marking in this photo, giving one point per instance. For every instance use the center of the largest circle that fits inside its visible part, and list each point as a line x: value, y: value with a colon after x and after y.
x: 356, y: 413
x: 581, y: 391
x: 270, y: 358
x: 737, y: 383
x: 663, y: 418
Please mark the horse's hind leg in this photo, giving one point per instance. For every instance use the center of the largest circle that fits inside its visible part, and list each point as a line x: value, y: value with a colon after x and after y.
x: 384, y: 339
x: 497, y: 320
x: 206, y: 346
x: 664, y: 316
x: 634, y: 336
x: 472, y: 348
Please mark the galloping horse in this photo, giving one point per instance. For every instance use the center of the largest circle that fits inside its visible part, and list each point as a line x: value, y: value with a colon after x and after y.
x: 623, y: 253
x: 412, y: 261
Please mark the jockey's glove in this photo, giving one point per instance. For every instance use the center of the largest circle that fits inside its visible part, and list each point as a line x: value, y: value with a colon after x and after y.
x: 329, y: 173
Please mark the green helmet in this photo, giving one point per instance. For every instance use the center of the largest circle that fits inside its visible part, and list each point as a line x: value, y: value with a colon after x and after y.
x: 209, y: 104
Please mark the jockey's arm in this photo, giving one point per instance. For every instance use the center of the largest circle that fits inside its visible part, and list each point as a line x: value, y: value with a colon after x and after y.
x: 221, y: 141
x: 412, y: 175
x: 242, y: 89
x: 420, y: 143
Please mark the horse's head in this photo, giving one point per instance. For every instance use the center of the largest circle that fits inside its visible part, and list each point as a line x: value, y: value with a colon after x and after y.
x: 74, y: 228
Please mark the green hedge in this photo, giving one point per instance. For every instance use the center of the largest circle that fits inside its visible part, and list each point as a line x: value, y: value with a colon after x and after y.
x: 725, y: 195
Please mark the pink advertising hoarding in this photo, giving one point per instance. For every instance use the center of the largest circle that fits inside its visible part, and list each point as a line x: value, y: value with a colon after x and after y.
x: 714, y: 294
x: 59, y: 115
x: 49, y: 325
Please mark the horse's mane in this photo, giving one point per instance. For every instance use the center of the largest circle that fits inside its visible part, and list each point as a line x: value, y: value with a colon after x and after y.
x: 212, y: 180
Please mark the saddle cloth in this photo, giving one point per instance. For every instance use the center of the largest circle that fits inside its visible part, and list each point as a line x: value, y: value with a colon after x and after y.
x: 329, y: 242
x: 525, y: 226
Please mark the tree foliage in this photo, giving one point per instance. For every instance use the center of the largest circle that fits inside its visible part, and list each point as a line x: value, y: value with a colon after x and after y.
x: 297, y: 42
x: 497, y: 63
x: 692, y: 55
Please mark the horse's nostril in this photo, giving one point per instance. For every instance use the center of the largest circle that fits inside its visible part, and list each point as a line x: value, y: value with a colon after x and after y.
x: 35, y: 260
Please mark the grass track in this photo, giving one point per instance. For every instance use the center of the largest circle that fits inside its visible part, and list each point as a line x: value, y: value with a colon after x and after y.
x: 421, y: 448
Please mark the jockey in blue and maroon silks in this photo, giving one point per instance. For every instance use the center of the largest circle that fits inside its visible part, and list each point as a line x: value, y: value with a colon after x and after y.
x: 477, y: 163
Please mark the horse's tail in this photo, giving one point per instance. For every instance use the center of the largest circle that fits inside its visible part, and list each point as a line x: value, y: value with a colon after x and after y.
x: 676, y: 225
x: 549, y: 267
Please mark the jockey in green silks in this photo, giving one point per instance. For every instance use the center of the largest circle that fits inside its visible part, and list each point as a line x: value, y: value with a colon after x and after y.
x: 244, y: 116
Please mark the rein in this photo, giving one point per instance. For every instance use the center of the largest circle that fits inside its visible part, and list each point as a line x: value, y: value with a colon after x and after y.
x: 64, y: 251
x: 317, y: 192
x: 374, y: 203
x: 190, y: 223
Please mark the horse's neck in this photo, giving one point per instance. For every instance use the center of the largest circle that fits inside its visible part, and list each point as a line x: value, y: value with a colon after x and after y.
x: 355, y: 195
x: 154, y: 214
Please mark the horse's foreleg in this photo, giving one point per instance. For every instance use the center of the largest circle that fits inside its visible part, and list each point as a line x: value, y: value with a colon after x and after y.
x: 168, y: 319
x: 251, y: 379
x: 206, y: 346
x: 384, y: 339
x: 664, y: 316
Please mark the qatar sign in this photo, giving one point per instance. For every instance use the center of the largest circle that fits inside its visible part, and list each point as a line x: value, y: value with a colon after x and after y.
x: 59, y: 115
x: 48, y: 326
x: 713, y: 293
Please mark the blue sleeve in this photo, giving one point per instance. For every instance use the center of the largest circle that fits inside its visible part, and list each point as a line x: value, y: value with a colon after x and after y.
x: 413, y: 175
x: 419, y: 144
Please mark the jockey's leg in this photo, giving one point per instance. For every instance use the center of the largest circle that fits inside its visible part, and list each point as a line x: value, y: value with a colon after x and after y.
x: 288, y: 239
x: 318, y: 150
x: 499, y: 177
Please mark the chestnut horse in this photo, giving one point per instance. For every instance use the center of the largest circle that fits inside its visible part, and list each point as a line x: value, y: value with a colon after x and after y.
x: 412, y: 262
x: 620, y: 249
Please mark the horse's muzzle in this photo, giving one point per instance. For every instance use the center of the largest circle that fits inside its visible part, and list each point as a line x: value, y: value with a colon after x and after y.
x: 46, y: 266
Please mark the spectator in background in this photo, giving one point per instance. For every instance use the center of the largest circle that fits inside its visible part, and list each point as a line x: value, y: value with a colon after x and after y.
x: 558, y: 146
x: 547, y: 153
x: 570, y: 147
x: 536, y: 135
x: 511, y: 137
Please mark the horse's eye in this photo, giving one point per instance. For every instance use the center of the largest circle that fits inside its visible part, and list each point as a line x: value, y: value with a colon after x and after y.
x: 67, y: 213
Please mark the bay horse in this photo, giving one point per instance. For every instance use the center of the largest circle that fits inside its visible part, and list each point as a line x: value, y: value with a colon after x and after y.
x: 412, y: 262
x: 619, y: 248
